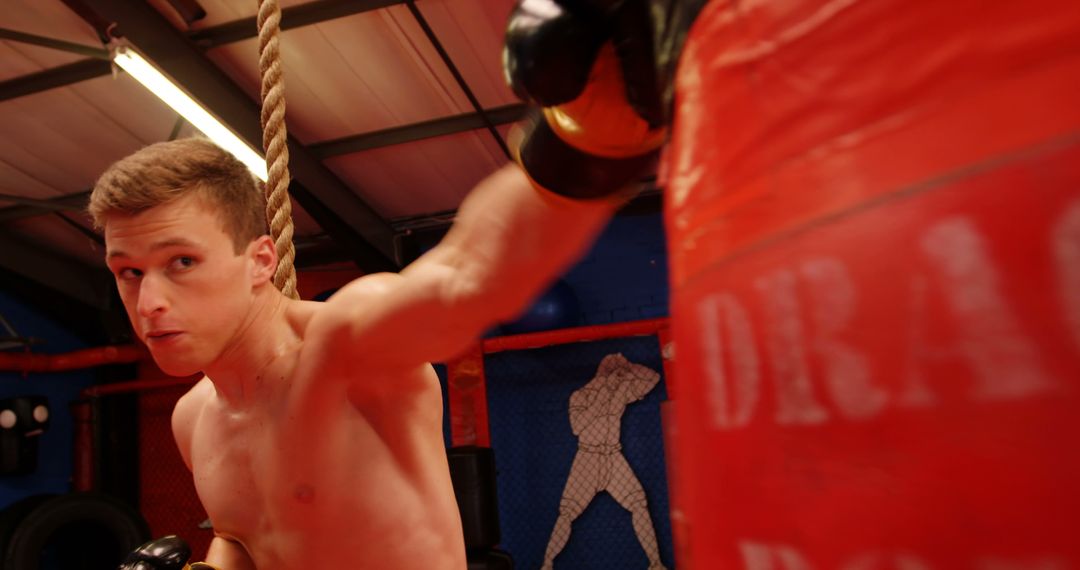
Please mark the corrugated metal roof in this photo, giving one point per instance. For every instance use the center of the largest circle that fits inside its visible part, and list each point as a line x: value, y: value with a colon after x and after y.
x: 358, y: 74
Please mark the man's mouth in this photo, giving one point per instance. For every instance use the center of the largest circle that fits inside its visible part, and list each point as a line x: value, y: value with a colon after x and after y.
x: 161, y: 336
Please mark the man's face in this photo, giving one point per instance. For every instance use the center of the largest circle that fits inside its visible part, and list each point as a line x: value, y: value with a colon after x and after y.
x: 185, y: 290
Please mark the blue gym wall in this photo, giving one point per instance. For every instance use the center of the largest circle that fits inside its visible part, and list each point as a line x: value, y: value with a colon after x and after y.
x: 53, y: 474
x: 624, y: 276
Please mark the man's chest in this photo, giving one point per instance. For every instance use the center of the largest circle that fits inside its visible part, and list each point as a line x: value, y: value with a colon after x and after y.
x: 258, y: 472
x: 230, y: 465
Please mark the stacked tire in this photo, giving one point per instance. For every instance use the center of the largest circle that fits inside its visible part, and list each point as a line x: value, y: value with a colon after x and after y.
x: 472, y: 470
x: 77, y: 531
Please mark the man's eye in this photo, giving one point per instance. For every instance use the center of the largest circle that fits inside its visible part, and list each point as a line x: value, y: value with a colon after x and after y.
x: 129, y: 273
x: 182, y: 263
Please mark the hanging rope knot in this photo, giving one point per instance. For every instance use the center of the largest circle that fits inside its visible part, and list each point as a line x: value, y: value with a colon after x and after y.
x: 275, y: 145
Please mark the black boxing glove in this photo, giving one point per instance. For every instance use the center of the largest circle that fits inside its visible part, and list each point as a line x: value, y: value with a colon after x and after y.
x: 601, y: 72
x: 167, y: 553
x: 670, y: 21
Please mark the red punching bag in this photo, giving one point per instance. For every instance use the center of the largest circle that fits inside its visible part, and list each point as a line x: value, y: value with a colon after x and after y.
x: 874, y: 220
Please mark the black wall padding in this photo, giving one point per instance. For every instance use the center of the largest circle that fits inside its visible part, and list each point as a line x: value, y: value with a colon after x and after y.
x: 19, y: 442
x: 472, y: 470
x: 490, y: 560
x: 116, y: 446
x: 78, y: 531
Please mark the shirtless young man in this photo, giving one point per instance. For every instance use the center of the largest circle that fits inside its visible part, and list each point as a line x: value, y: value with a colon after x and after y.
x: 316, y: 437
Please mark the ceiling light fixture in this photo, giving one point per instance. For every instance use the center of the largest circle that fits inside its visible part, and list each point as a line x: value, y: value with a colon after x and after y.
x: 144, y: 72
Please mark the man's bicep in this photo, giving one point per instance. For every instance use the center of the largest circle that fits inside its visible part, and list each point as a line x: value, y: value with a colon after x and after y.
x: 369, y: 320
x: 419, y: 316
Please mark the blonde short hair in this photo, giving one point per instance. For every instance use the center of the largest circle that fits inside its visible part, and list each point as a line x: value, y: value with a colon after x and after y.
x: 166, y: 171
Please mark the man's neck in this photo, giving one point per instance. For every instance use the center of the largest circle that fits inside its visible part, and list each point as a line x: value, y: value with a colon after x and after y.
x: 260, y: 342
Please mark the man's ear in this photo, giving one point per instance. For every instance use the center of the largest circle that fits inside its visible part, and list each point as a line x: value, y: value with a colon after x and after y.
x: 264, y: 259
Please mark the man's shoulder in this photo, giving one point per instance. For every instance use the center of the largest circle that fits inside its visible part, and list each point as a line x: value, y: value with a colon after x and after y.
x: 190, y: 404
x: 346, y: 308
x: 186, y: 413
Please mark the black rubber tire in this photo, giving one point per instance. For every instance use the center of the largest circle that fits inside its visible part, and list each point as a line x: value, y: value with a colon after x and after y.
x: 472, y: 472
x: 78, y: 531
x: 11, y: 516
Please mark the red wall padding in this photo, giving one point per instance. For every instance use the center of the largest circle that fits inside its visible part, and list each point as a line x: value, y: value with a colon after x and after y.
x: 167, y: 494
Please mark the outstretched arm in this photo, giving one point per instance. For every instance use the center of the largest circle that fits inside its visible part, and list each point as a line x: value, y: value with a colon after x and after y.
x: 508, y: 243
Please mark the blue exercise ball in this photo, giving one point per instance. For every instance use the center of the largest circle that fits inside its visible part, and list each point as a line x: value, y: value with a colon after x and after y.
x: 557, y: 308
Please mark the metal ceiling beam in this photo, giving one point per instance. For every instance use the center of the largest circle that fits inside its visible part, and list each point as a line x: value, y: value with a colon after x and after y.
x: 53, y: 43
x: 648, y: 201
x: 418, y: 131
x: 294, y: 17
x: 67, y: 203
x: 189, y: 10
x: 419, y: 233
x: 317, y: 251
x: 52, y: 78
x: 86, y: 232
x: 51, y: 205
x: 356, y: 224
x: 90, y: 286
x: 336, y: 226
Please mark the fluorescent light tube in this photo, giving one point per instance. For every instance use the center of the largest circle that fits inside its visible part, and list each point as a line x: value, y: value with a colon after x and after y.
x: 143, y: 72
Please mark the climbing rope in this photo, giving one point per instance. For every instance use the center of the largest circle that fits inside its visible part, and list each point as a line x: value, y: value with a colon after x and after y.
x: 275, y: 145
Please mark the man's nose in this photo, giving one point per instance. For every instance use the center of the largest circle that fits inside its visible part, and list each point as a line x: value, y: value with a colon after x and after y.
x: 153, y: 298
